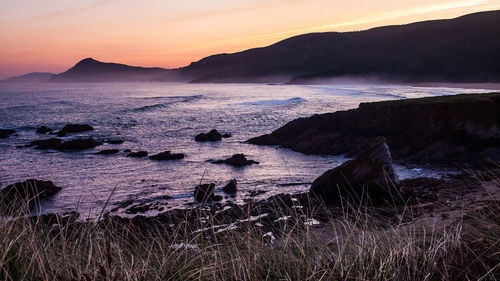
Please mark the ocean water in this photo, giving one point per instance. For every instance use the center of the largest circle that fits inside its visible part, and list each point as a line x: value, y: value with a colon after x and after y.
x: 160, y: 116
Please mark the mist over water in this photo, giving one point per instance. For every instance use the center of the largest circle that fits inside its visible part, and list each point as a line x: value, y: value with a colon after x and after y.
x: 160, y: 116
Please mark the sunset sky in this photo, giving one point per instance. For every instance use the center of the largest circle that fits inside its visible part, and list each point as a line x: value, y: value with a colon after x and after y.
x: 52, y: 35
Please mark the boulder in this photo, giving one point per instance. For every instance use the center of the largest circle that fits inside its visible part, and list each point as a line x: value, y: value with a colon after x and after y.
x: 138, y: 154
x: 108, y: 152
x: 370, y: 174
x: 74, y: 128
x: 237, y: 160
x: 5, y: 133
x: 52, y: 143
x: 231, y: 187
x: 166, y: 155
x: 31, y: 191
x: 226, y: 135
x: 213, y: 135
x: 79, y: 144
x: 43, y: 130
x: 205, y: 193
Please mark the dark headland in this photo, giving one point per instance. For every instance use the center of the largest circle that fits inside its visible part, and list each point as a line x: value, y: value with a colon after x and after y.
x: 440, y: 130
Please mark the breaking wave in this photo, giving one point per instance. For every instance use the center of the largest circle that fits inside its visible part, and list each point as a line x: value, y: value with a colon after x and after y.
x: 272, y: 102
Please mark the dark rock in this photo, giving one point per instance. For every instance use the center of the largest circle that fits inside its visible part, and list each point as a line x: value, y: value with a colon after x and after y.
x: 205, y: 193
x: 138, y: 154
x: 108, y: 152
x: 237, y: 160
x: 144, y: 207
x: 166, y: 155
x: 231, y: 187
x: 74, y: 128
x: 43, y: 130
x: 437, y: 129
x: 79, y: 144
x: 4, y: 133
x: 257, y: 192
x: 52, y: 143
x: 114, y: 141
x: 227, y: 135
x: 127, y: 150
x: 213, y: 135
x: 370, y: 174
x: 31, y: 191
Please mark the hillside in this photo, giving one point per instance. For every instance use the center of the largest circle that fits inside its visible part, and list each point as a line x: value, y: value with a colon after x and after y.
x: 463, y: 49
x: 33, y: 77
x: 90, y: 70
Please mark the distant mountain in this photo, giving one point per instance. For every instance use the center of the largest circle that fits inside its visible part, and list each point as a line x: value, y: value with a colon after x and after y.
x: 29, y: 78
x: 464, y: 49
x: 90, y: 70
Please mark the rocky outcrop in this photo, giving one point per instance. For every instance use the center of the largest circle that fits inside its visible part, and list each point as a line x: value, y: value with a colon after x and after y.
x: 138, y: 154
x: 5, y: 133
x: 57, y: 144
x: 52, y: 143
x: 437, y: 129
x: 205, y: 193
x: 166, y: 155
x: 28, y: 192
x: 231, y: 187
x: 237, y: 160
x: 107, y: 152
x: 79, y: 144
x: 43, y: 130
x: 369, y: 175
x: 74, y: 128
x: 213, y: 135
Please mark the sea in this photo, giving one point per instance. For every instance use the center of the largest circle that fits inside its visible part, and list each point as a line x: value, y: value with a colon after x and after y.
x: 159, y: 117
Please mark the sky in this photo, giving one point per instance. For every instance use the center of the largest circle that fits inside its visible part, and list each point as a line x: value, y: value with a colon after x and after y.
x: 53, y: 35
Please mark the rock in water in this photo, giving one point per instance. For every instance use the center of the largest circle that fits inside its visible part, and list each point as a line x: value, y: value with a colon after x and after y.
x: 74, y: 128
x: 205, y: 193
x: 30, y: 191
x: 237, y: 160
x: 79, y: 144
x: 138, y: 154
x: 5, y: 133
x: 43, y: 130
x: 52, y: 143
x: 231, y: 187
x: 108, y: 151
x: 370, y: 174
x: 166, y: 155
x: 213, y: 135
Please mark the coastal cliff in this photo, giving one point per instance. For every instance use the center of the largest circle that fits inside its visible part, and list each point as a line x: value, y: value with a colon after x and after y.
x: 437, y: 129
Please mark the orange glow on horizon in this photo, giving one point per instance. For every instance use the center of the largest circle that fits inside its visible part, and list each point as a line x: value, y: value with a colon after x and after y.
x: 52, y: 36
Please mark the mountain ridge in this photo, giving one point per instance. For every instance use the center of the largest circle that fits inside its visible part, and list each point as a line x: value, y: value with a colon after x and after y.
x: 463, y: 49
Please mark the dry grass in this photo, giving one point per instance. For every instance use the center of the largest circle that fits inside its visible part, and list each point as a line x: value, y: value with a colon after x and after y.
x: 351, y: 247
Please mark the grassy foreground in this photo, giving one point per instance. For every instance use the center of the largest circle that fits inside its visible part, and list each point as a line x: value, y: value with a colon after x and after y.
x: 354, y: 246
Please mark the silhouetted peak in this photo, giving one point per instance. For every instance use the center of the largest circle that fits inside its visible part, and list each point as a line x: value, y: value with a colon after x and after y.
x: 87, y: 61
